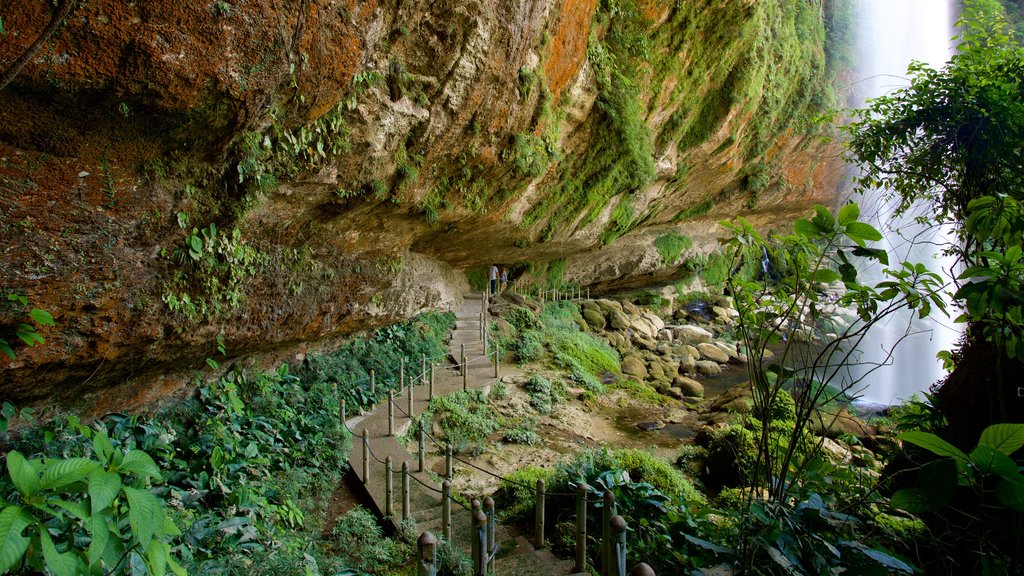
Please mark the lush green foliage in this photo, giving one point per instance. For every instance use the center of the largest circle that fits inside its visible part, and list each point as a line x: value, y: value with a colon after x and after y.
x: 465, y: 419
x: 85, y: 514
x: 210, y: 273
x: 360, y: 542
x: 670, y: 246
x: 349, y: 366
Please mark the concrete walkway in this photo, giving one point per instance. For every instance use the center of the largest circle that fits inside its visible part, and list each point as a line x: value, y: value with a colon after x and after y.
x: 517, y: 555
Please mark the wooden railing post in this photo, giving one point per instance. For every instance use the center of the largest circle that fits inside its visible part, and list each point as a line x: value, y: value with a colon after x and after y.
x: 642, y: 569
x: 465, y: 369
x: 373, y: 385
x: 344, y: 417
x: 422, y: 445
x: 401, y: 374
x: 497, y: 359
x: 389, y: 488
x: 366, y: 456
x: 581, y: 527
x: 391, y: 412
x: 446, y: 510
x: 618, y: 547
x: 406, y: 489
x: 491, y: 530
x: 607, y: 512
x: 430, y: 391
x: 412, y: 409
x: 448, y: 469
x: 479, y: 542
x: 426, y: 545
x: 538, y: 533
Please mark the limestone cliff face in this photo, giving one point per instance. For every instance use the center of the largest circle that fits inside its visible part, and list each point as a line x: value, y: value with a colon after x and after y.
x: 279, y: 172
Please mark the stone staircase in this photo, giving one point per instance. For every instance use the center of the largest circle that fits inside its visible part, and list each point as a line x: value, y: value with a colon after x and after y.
x: 517, y: 555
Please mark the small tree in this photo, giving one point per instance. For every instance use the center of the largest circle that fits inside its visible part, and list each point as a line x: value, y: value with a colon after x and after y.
x: 816, y: 349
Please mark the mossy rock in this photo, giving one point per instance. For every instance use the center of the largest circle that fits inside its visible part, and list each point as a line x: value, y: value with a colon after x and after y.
x: 594, y: 318
x: 633, y: 365
x: 689, y: 387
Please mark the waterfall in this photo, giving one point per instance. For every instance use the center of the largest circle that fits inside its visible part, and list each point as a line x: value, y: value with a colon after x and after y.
x: 891, y: 33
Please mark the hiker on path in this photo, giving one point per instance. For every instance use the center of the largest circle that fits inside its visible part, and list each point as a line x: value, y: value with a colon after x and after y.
x: 504, y: 279
x: 493, y: 276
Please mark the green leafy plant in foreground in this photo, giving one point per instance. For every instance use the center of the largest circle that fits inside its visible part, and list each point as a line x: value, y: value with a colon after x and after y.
x: 85, y: 515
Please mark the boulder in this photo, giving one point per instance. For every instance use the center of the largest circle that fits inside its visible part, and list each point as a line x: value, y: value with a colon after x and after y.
x: 687, y: 363
x: 594, y: 318
x: 691, y: 334
x: 633, y: 365
x: 839, y: 423
x: 616, y: 339
x: 664, y: 349
x: 655, y: 320
x: 608, y: 305
x: 689, y: 386
x: 591, y: 305
x: 665, y: 335
x: 729, y: 348
x: 618, y: 320
x: 644, y: 343
x: 692, y: 351
x: 656, y: 371
x: 630, y: 308
x: 713, y: 353
x: 708, y: 367
x: 643, y: 326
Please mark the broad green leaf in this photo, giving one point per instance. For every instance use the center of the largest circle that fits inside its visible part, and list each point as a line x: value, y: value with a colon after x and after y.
x: 805, y: 228
x: 28, y: 335
x: 156, y: 557
x: 934, y: 444
x: 140, y: 464
x: 102, y: 447
x: 823, y: 220
x: 24, y: 473
x: 175, y: 567
x: 911, y: 499
x: 875, y: 253
x: 41, y: 317
x: 57, y: 563
x: 1011, y: 494
x: 103, y: 488
x: 988, y: 460
x: 6, y: 350
x: 100, y: 533
x: 12, y: 544
x: 77, y: 509
x: 1007, y: 438
x: 143, y: 514
x: 848, y: 213
x: 825, y: 276
x: 61, y: 473
x: 860, y: 231
x: 887, y: 560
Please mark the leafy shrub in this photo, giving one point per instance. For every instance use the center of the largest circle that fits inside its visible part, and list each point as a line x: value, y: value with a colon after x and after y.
x: 522, y: 318
x: 523, y: 434
x: 671, y: 245
x: 464, y: 417
x: 517, y: 492
x: 360, y: 542
x: 478, y: 278
x: 83, y: 514
x: 579, y: 349
x: 539, y: 390
x: 349, y: 366
x: 529, y: 347
x: 645, y: 467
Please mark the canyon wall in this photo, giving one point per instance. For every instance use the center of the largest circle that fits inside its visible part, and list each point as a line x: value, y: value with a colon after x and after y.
x: 278, y: 174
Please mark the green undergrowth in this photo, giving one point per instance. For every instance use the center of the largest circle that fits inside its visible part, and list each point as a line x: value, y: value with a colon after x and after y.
x: 671, y: 245
x: 237, y: 476
x: 243, y: 470
x: 465, y: 419
x: 382, y: 351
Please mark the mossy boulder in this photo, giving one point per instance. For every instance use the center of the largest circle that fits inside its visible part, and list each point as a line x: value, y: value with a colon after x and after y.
x: 708, y: 367
x: 633, y: 365
x: 713, y: 353
x: 594, y: 318
x: 689, y: 387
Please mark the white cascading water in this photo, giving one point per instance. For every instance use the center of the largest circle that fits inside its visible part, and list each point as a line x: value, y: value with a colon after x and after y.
x: 891, y: 33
